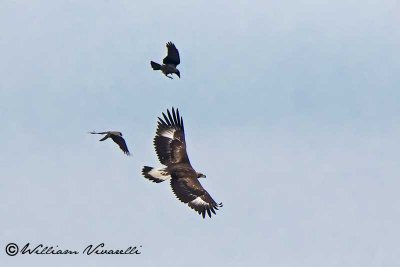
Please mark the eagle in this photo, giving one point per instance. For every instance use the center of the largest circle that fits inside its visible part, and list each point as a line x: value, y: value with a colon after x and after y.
x: 170, y: 147
x: 170, y: 62
x: 116, y: 137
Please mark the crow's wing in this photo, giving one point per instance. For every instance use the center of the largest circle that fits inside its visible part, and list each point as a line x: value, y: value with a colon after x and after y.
x: 172, y: 56
x: 120, y: 141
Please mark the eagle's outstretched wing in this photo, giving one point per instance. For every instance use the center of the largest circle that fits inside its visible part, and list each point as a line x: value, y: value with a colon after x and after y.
x: 190, y: 191
x: 169, y: 141
x: 172, y: 56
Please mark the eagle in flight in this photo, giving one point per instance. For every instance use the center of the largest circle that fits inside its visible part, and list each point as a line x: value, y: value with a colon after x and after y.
x: 170, y: 146
x: 169, y: 63
x: 117, y: 138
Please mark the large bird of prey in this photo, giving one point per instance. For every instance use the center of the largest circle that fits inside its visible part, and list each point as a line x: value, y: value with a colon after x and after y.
x: 170, y: 146
x: 116, y: 137
x: 170, y: 62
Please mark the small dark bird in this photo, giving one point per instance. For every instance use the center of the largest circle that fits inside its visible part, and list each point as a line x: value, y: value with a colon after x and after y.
x: 170, y: 146
x: 117, y: 138
x: 170, y: 62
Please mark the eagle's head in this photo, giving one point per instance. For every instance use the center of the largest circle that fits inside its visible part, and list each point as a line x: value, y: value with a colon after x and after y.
x: 200, y: 175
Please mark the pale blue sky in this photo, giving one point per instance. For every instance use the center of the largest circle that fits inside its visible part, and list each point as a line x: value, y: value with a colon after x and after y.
x: 291, y: 109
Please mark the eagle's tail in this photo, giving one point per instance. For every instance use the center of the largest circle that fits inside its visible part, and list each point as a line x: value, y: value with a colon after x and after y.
x: 156, y: 175
x: 155, y: 66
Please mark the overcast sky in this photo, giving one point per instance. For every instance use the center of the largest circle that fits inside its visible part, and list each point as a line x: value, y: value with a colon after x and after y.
x: 291, y: 109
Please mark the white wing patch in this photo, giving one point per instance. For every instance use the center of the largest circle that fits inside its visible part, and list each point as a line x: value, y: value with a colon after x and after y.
x: 168, y: 133
x: 159, y: 174
x: 199, y: 202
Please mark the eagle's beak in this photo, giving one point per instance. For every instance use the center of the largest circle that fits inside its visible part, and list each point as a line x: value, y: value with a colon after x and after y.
x: 203, y: 176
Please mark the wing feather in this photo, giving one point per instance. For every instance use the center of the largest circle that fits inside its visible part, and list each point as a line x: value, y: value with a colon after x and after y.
x: 120, y: 141
x: 172, y: 55
x: 93, y: 132
x: 190, y: 191
x: 169, y: 141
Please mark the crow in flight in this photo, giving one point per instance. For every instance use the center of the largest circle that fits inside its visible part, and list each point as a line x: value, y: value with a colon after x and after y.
x: 170, y: 62
x: 117, y: 138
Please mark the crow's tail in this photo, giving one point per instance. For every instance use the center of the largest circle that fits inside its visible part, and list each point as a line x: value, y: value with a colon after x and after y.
x: 155, y: 66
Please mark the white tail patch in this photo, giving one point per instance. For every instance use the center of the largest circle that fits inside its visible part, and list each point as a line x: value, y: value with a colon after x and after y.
x: 161, y: 174
x: 156, y: 175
